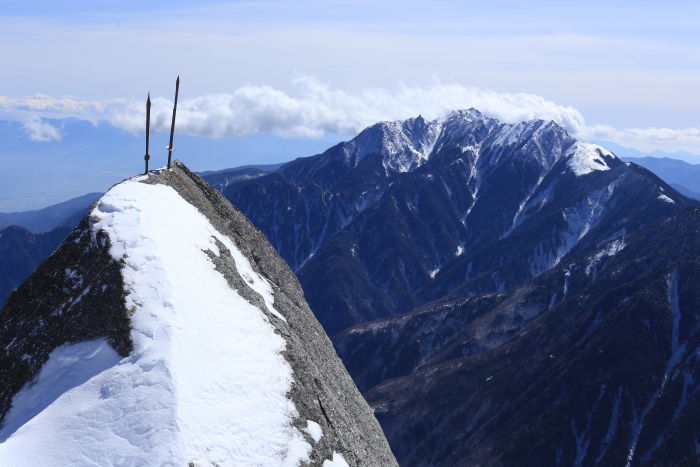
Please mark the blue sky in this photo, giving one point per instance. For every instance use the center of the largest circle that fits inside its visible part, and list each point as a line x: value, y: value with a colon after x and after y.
x: 270, y: 80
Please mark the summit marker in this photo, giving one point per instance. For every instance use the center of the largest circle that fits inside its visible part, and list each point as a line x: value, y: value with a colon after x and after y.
x: 170, y: 146
x: 148, y: 125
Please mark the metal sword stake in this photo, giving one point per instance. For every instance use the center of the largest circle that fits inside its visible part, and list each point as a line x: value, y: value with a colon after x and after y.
x: 170, y: 147
x: 148, y: 127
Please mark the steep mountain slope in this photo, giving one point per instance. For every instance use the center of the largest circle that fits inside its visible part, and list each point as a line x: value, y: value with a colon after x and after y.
x: 51, y: 217
x: 411, y: 212
x: 166, y: 329
x: 21, y: 252
x: 595, y: 362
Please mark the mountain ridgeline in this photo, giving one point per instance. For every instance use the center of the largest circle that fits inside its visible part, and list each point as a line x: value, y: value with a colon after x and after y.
x: 415, y: 211
x: 501, y: 293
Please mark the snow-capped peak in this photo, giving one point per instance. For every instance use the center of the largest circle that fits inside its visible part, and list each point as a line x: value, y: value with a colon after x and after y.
x: 206, y: 382
x: 408, y: 144
x: 468, y: 115
x: 403, y: 145
x: 166, y: 331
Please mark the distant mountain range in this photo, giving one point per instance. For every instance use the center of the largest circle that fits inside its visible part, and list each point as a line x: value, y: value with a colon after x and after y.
x: 221, y: 179
x: 28, y: 238
x: 624, y: 152
x: 683, y: 176
x: 501, y: 293
x: 67, y: 213
x: 22, y: 251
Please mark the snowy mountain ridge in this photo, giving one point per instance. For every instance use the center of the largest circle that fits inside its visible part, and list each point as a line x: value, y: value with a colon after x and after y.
x: 222, y: 363
x: 462, y: 182
x: 405, y: 145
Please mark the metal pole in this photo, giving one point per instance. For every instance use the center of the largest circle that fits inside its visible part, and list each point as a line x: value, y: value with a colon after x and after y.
x: 170, y: 147
x: 148, y: 127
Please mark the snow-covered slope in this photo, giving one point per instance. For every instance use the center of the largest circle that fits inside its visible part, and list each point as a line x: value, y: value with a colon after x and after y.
x: 224, y: 363
x: 406, y: 145
x: 403, y: 145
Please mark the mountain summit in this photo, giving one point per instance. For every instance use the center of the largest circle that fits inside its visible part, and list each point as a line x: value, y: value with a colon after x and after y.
x: 166, y: 329
x: 413, y: 211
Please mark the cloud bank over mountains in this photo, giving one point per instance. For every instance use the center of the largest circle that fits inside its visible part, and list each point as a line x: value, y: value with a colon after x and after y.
x: 313, y: 109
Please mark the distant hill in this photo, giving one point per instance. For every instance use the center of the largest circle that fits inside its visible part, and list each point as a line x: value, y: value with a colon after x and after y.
x: 42, y: 220
x: 683, y: 176
x: 624, y: 152
x: 22, y: 251
x: 220, y: 179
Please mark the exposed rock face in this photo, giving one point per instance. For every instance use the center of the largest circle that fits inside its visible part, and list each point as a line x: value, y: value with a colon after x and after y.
x: 79, y: 293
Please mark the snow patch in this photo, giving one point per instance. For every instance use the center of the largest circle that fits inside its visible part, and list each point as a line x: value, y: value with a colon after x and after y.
x: 337, y: 461
x: 582, y: 217
x: 69, y: 366
x: 314, y: 430
x: 666, y: 199
x: 611, y: 249
x: 403, y: 145
x: 585, y: 157
x: 676, y: 353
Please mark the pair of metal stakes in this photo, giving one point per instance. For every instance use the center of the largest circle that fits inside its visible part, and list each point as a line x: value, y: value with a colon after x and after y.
x: 170, y: 146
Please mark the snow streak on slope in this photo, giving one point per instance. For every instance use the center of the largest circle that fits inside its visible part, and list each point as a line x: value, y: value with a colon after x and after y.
x: 206, y: 381
x: 611, y: 249
x: 676, y: 353
x: 405, y: 149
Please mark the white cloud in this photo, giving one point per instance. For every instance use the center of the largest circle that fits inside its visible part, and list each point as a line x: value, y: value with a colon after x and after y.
x: 315, y: 108
x: 647, y: 139
x: 41, y: 131
x: 51, y: 107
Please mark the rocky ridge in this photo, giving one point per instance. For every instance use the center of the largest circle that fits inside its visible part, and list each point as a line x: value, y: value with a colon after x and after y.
x: 79, y: 294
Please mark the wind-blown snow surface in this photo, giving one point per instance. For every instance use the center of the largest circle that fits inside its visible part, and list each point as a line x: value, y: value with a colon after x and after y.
x: 586, y: 157
x: 205, y: 383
